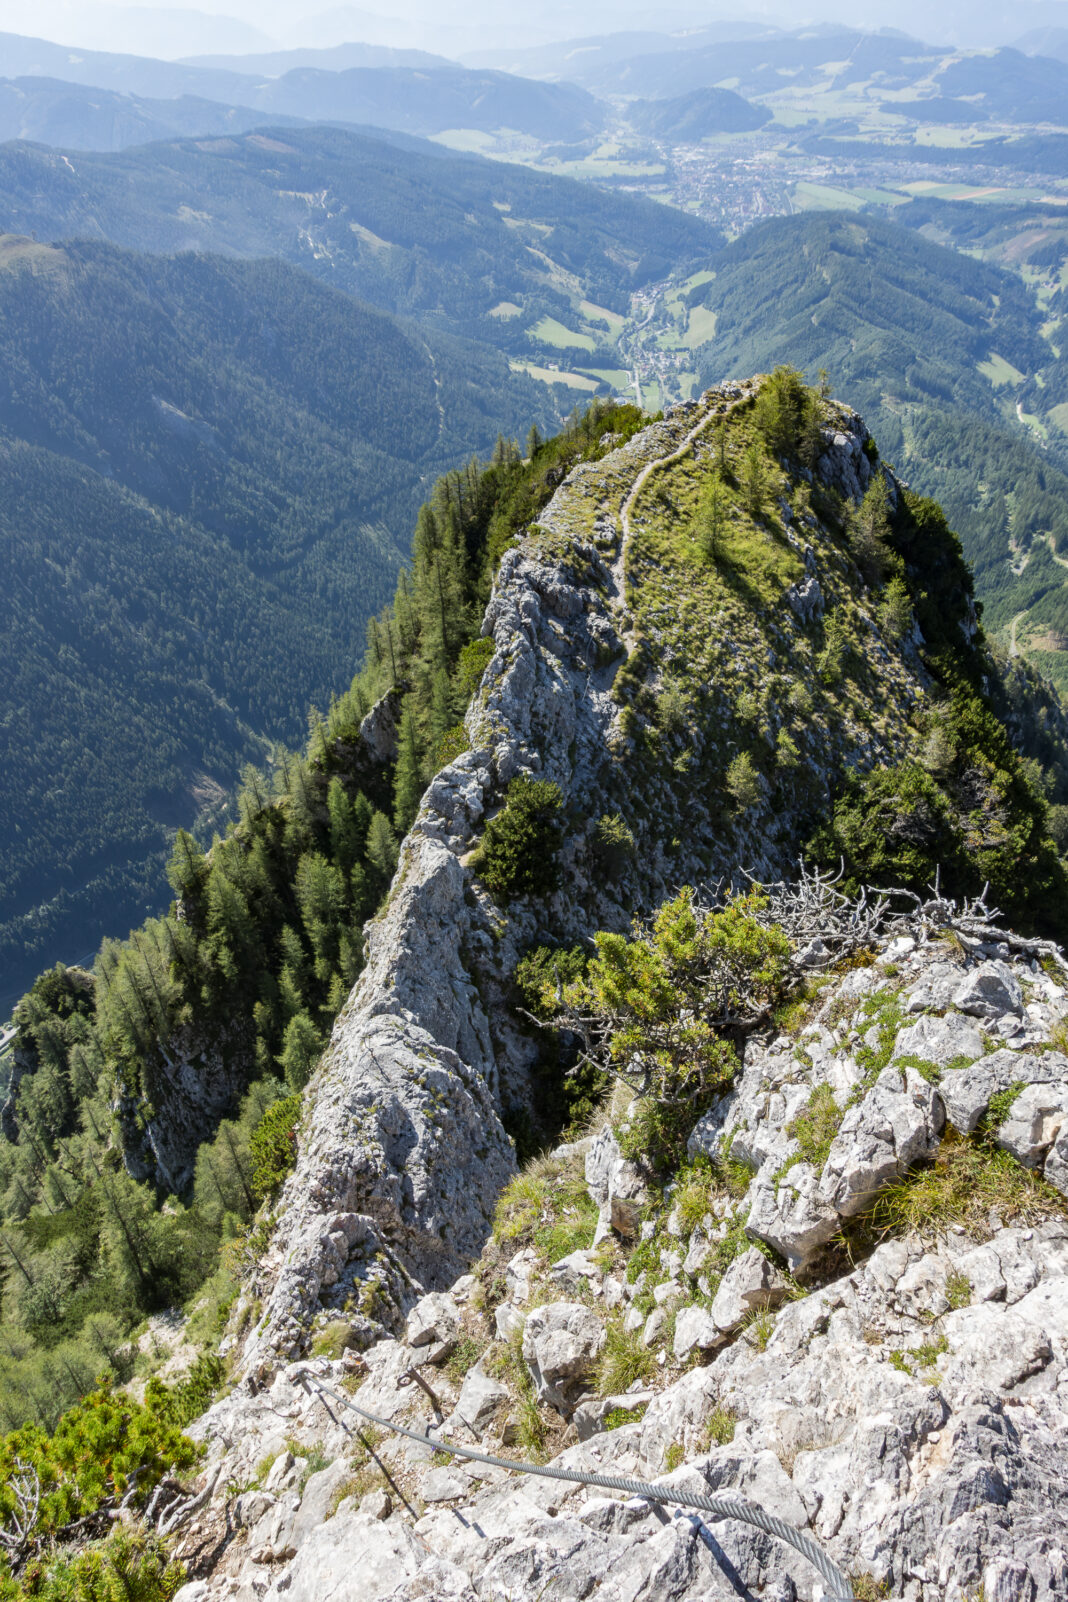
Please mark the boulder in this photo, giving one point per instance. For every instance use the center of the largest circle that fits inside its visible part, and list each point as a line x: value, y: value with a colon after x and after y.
x: 615, y: 1184
x: 805, y: 599
x: 967, y: 1092
x: 518, y: 1272
x: 509, y: 1320
x: 561, y: 1342
x: 481, y: 1399
x: 790, y: 1213
x: 376, y: 1505
x: 589, y: 1416
x: 1035, y: 1120
x: 750, y: 1283
x: 580, y: 1268
x: 433, y: 1327
x: 940, y: 1040
x: 898, y: 1122
x: 989, y: 991
x: 1056, y: 1165
x: 696, y: 1330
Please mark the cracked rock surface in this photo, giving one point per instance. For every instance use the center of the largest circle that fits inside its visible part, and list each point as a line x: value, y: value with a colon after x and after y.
x: 910, y: 1412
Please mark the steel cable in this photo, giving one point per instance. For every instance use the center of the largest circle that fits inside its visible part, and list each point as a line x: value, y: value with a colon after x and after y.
x: 730, y: 1507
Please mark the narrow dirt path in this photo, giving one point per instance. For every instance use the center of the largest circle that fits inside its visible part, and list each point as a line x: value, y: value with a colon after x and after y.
x: 1014, y: 649
x: 619, y: 566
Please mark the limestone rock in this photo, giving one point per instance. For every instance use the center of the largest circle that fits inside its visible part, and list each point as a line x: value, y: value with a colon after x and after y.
x: 380, y: 1553
x: 481, y: 1399
x: 940, y: 1040
x: 1056, y: 1165
x: 989, y: 991
x: 805, y: 598
x: 696, y: 1330
x: 750, y: 1283
x: 376, y: 1505
x: 561, y: 1342
x: 967, y: 1092
x: 433, y: 1327
x: 791, y: 1214
x: 509, y: 1320
x: 1035, y: 1119
x: 579, y: 1268
x: 615, y: 1183
x: 898, y: 1122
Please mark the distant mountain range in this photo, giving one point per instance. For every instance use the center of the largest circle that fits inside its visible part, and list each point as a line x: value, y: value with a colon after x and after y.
x: 420, y: 100
x: 77, y: 117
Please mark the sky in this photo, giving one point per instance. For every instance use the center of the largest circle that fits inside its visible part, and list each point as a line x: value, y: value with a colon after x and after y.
x: 172, y: 29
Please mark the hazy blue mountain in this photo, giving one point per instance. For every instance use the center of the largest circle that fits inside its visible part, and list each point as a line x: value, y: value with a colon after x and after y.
x: 337, y: 58
x: 423, y: 102
x: 24, y: 57
x: 1006, y: 86
x: 78, y: 117
x: 575, y: 58
x: 1044, y: 42
x: 393, y: 97
x: 696, y: 115
x: 813, y: 55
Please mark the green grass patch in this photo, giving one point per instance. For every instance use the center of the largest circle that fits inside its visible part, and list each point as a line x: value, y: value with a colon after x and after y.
x: 548, y: 1207
x: 969, y: 1180
x: 551, y: 332
x: 623, y: 1359
x: 814, y: 1128
x: 999, y: 371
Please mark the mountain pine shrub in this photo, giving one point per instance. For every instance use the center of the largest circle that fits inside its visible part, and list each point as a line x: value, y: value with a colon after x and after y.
x: 518, y: 852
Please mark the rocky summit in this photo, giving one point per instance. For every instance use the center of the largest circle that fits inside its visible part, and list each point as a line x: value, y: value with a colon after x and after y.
x: 690, y: 1115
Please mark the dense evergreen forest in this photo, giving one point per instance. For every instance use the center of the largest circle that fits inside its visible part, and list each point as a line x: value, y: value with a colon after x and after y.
x: 197, y: 520
x: 920, y: 340
x: 260, y: 947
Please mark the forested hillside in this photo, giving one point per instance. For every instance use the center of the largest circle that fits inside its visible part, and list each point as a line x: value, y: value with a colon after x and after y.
x: 482, y: 248
x: 207, y: 472
x: 241, y: 980
x: 923, y: 339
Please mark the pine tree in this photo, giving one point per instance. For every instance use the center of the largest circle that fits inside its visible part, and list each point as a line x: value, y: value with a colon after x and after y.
x: 754, y: 479
x: 711, y: 515
x: 300, y: 1051
x: 382, y: 847
x: 345, y: 840
x: 187, y: 869
x: 408, y: 780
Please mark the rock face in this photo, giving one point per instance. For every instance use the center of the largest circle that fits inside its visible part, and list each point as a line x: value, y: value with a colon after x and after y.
x: 909, y: 1412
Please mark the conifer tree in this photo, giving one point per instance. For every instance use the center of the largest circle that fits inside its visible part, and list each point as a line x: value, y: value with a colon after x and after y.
x: 711, y: 516
x: 382, y: 847
x: 408, y: 782
x: 300, y: 1051
x: 754, y: 479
